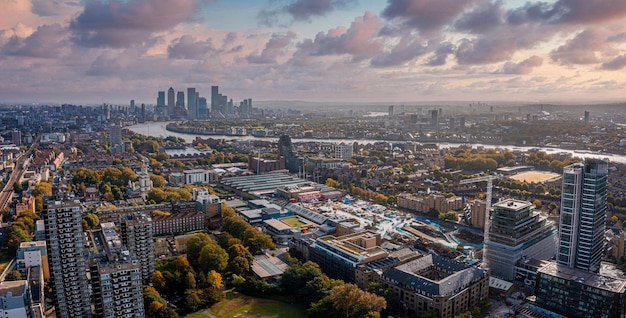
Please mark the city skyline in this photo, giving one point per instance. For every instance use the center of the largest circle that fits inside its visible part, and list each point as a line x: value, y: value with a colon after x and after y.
x: 319, y: 51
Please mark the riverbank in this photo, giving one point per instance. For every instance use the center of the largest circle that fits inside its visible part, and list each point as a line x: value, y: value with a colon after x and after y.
x: 158, y: 129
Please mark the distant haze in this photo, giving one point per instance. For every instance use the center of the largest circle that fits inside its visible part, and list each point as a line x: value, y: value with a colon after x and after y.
x: 335, y: 51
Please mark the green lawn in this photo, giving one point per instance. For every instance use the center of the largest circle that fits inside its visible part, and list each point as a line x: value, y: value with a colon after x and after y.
x: 293, y: 222
x: 243, y: 306
x: 196, y: 315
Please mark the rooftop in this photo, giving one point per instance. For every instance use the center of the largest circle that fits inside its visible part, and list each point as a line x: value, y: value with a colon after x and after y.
x: 605, y: 280
x: 15, y: 288
x: 277, y: 224
x: 512, y: 204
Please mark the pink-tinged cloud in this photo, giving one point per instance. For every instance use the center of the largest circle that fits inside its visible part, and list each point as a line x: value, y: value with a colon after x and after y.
x: 118, y: 23
x: 569, y: 11
x: 615, y: 64
x: 524, y: 67
x: 359, y: 40
x: 482, y: 18
x: 585, y: 48
x: 47, y: 8
x: 48, y: 41
x: 441, y: 54
x: 301, y: 10
x: 187, y: 48
x: 425, y: 15
x: 407, y: 49
x: 274, y: 48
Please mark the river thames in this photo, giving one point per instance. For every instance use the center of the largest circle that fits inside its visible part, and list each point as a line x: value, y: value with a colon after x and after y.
x: 157, y: 129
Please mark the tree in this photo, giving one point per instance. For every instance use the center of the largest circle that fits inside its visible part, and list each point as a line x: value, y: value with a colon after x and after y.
x: 157, y: 181
x: 14, y: 275
x: 192, y: 300
x: 297, y: 276
x: 158, y: 281
x: 213, y: 257
x: 241, y: 257
x: 540, y: 189
x: 182, y: 264
x: 319, y: 287
x: 214, y: 280
x: 92, y: 221
x: 190, y: 280
x: 195, y: 245
x: 350, y: 300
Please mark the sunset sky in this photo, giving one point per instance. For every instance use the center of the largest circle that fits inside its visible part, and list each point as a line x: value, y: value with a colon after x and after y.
x: 95, y: 51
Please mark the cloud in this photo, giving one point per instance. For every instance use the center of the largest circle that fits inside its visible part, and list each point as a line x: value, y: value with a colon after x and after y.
x: 585, y: 48
x: 425, y: 15
x: 483, y: 18
x: 273, y: 49
x: 615, y: 64
x: 569, y: 11
x: 406, y: 50
x: 47, y: 41
x: 302, y: 10
x: 46, y: 8
x: 359, y: 40
x: 119, y: 23
x: 187, y: 48
x: 441, y: 54
x: 524, y: 67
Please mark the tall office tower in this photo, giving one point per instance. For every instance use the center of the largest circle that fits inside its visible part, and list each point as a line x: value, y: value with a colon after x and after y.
x: 434, y: 118
x: 171, y: 101
x: 517, y: 230
x: 67, y: 257
x: 249, y: 105
x: 462, y: 122
x: 390, y: 111
x: 132, y: 105
x: 180, y: 99
x: 16, y: 137
x: 161, y: 99
x: 229, y: 107
x: 583, y: 215
x: 137, y: 235
x: 115, y: 276
x: 214, y: 98
x: 202, y: 107
x: 115, y: 139
x: 586, y: 116
x: 192, y: 105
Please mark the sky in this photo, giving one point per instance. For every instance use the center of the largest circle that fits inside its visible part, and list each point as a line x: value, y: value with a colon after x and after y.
x: 112, y: 51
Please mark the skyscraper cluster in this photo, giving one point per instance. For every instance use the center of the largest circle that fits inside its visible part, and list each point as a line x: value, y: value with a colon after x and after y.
x: 174, y: 105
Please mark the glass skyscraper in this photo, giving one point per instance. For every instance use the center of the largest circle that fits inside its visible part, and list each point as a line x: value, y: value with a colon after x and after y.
x: 583, y: 215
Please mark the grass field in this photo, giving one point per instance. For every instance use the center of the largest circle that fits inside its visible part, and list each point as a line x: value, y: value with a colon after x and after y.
x: 535, y: 176
x: 238, y: 305
x: 293, y: 222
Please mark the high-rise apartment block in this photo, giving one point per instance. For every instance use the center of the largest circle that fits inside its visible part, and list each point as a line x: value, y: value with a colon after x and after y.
x: 115, y: 276
x: 67, y: 257
x: 138, y: 236
x: 583, y: 215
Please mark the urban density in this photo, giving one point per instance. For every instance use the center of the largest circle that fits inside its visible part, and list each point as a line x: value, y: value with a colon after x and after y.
x: 402, y: 158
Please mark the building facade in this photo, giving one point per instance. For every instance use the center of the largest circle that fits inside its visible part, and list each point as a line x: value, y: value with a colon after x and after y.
x: 583, y: 215
x: 435, y: 283
x: 517, y: 231
x: 67, y: 258
x: 115, y: 276
x: 138, y: 236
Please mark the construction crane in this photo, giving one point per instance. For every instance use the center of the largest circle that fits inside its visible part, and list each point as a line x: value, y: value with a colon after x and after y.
x: 489, y: 180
